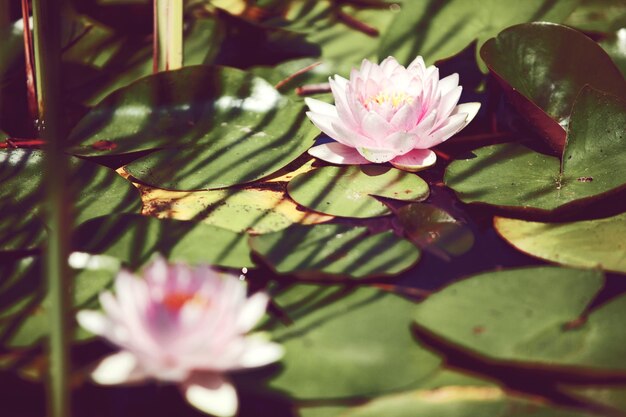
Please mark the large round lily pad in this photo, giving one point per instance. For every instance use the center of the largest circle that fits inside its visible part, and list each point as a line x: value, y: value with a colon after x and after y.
x: 134, y: 239
x: 438, y: 29
x: 514, y: 176
x: 335, y: 250
x: 350, y: 191
x: 254, y: 210
x: 213, y: 127
x: 544, y: 66
x: 533, y: 315
x: 587, y: 244
x: 97, y: 191
x: 347, y: 343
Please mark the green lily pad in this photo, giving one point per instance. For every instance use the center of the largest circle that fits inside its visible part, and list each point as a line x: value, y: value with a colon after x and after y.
x: 612, y: 396
x: 98, y: 191
x: 585, y: 244
x: 514, y: 176
x: 240, y: 210
x: 335, y: 250
x: 343, y: 45
x: 350, y: 191
x: 543, y: 68
x: 435, y: 230
x: 533, y: 315
x: 438, y: 30
x: 101, y: 59
x: 347, y: 343
x: 598, y: 16
x: 24, y: 320
x: 459, y: 401
x: 134, y: 239
x: 213, y: 126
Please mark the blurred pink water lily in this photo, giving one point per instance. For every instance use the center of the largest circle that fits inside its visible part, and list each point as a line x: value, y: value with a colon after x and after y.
x: 182, y: 325
x: 389, y: 113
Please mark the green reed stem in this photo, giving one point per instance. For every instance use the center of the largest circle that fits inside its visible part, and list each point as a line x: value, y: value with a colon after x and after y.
x: 47, y: 40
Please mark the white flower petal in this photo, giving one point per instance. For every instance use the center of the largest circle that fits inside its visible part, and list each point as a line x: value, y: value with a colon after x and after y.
x: 401, y: 142
x: 416, y: 160
x: 336, y: 153
x: 260, y: 352
x: 321, y: 107
x: 252, y: 311
x: 119, y: 368
x: 212, y: 394
x: 325, y: 124
x: 406, y: 117
x: 471, y: 109
x: 451, y: 126
x: 446, y: 84
x: 448, y: 103
x: 377, y: 156
x: 93, y: 321
x: 376, y: 127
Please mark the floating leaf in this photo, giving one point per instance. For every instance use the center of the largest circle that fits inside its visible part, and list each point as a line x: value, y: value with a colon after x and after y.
x: 350, y: 191
x: 240, y: 210
x: 101, y: 59
x: 458, y: 401
x: 347, y: 343
x: 98, y: 191
x: 344, y: 42
x: 23, y: 308
x: 531, y: 315
x: 543, y: 68
x: 335, y: 250
x: 134, y: 239
x: 514, y: 176
x: 437, y: 30
x: 598, y: 15
x: 585, y: 244
x: 432, y: 228
x: 214, y: 126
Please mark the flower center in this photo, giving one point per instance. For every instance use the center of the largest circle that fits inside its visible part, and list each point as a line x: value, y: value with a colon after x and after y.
x: 397, y: 99
x: 175, y: 301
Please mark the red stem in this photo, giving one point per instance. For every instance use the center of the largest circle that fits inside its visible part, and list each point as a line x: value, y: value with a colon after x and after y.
x: 33, y: 108
x: 155, y: 39
x: 296, y: 74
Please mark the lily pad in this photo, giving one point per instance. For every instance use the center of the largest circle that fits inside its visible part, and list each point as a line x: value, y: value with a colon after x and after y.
x: 240, y: 210
x: 533, y: 315
x: 585, y: 244
x: 98, y: 191
x: 459, y: 401
x: 214, y: 127
x: 350, y: 191
x: 24, y: 319
x: 100, y: 60
x: 437, y: 30
x: 335, y: 250
x: 350, y: 342
x: 435, y: 230
x: 512, y: 175
x: 134, y: 239
x: 543, y: 68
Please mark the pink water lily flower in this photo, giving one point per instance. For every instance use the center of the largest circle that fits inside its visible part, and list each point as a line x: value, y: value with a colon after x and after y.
x: 389, y: 113
x: 182, y: 325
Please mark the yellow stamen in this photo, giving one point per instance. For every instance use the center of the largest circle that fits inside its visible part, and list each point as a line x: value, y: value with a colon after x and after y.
x: 396, y: 99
